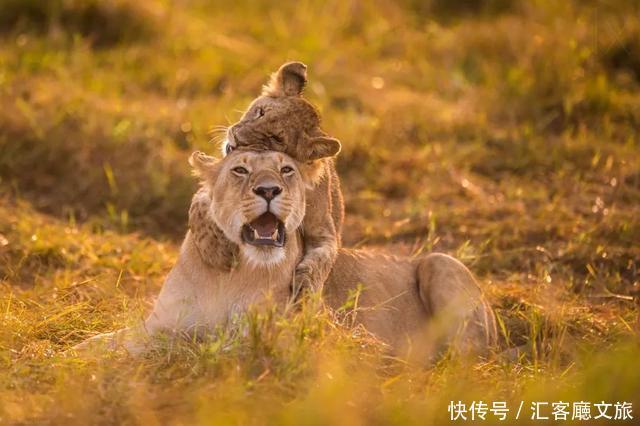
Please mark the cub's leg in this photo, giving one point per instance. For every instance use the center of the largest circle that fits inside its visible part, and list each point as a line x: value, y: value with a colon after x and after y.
x: 213, y: 247
x: 320, y: 242
x: 337, y: 200
x: 460, y: 316
x: 314, y: 268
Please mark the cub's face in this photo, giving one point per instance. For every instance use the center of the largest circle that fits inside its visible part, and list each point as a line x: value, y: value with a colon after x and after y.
x: 282, y: 120
x: 273, y: 123
x: 258, y: 200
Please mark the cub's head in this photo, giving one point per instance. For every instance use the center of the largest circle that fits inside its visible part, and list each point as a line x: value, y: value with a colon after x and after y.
x: 282, y: 120
x: 258, y: 200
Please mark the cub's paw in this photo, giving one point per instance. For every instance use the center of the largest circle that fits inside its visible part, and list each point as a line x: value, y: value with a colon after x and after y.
x: 301, y: 283
x: 305, y: 290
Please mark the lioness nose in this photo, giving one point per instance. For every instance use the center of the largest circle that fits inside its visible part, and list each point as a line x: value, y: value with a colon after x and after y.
x: 268, y: 192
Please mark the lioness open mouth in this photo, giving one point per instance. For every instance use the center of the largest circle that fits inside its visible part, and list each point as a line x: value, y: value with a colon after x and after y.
x: 265, y: 230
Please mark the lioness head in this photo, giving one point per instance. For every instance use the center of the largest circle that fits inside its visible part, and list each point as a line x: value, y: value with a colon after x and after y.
x: 282, y: 120
x: 258, y: 200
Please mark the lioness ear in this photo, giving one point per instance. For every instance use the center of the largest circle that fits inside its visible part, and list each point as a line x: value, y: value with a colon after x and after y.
x: 319, y: 147
x: 203, y: 165
x: 289, y: 80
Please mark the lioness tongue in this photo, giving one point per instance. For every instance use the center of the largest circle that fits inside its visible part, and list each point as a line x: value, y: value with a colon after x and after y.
x: 265, y: 225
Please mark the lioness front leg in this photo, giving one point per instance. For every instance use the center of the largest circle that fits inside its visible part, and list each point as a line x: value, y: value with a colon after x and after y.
x: 134, y: 340
x: 173, y: 312
x: 461, y: 317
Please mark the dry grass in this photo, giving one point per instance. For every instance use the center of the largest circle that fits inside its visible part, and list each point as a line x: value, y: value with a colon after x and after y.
x: 504, y: 132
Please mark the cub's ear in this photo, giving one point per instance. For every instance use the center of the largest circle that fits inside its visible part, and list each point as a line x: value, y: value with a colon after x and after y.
x: 319, y: 147
x: 289, y: 80
x: 204, y: 166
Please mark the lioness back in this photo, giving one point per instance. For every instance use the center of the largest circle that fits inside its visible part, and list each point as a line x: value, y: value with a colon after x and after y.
x: 418, y: 306
x: 387, y: 283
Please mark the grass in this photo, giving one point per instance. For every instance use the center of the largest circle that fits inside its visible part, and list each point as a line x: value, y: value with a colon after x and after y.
x: 503, y: 132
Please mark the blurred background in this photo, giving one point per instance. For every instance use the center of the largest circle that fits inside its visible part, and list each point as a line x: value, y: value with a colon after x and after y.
x: 502, y: 131
x: 454, y: 112
x: 504, y: 123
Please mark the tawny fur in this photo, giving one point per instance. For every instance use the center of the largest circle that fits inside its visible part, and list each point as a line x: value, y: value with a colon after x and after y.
x: 224, y: 254
x: 284, y: 121
x: 414, y: 305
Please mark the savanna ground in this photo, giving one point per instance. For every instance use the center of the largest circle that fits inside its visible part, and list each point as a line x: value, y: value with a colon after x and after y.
x: 501, y: 131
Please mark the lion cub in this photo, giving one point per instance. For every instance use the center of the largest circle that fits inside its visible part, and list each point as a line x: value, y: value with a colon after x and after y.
x: 282, y: 120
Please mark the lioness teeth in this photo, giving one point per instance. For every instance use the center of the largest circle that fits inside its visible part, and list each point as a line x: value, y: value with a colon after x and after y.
x: 256, y: 236
x: 274, y: 236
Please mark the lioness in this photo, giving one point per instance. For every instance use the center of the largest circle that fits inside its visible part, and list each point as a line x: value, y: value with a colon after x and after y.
x: 258, y: 202
x: 284, y: 121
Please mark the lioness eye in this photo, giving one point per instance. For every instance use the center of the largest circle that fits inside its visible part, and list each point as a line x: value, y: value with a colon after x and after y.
x: 259, y: 112
x: 286, y: 169
x: 229, y: 148
x: 240, y: 170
